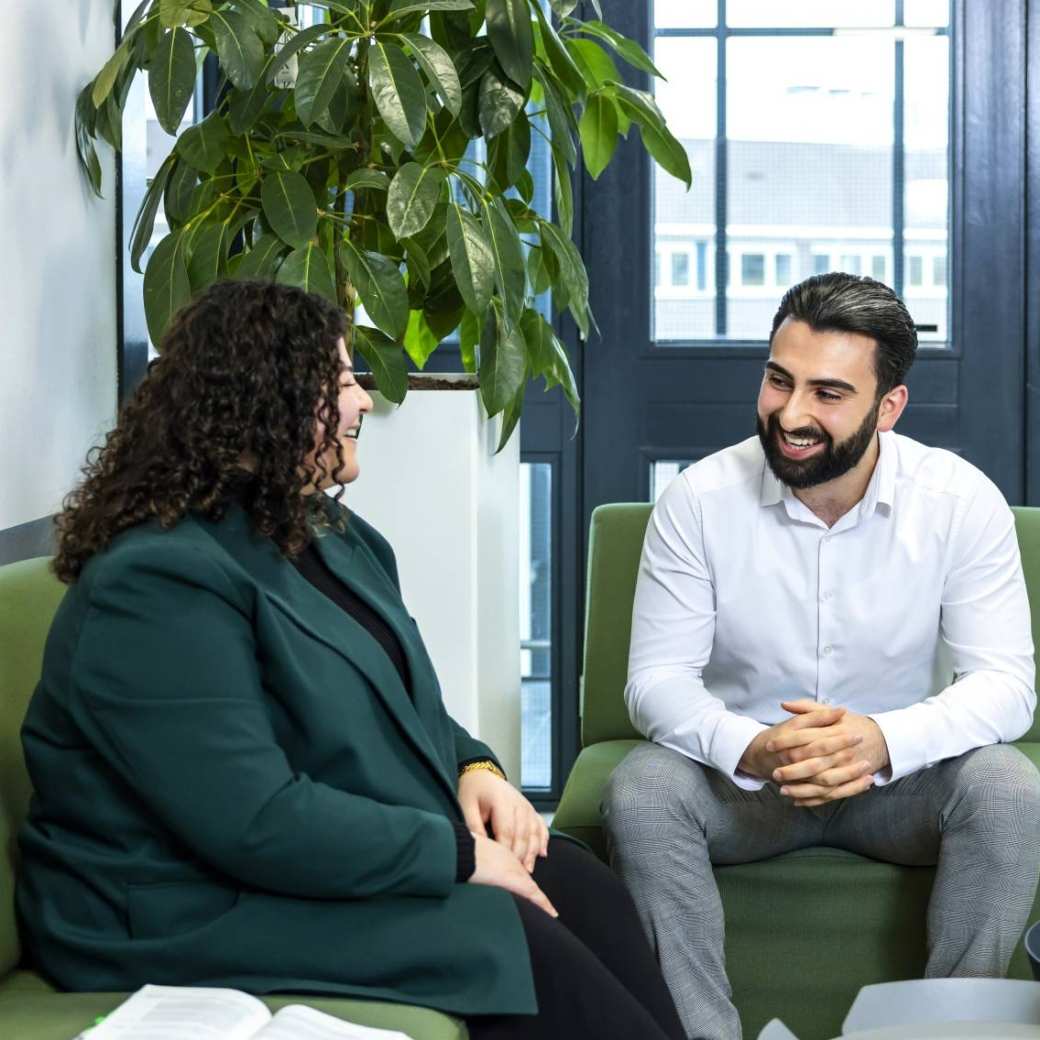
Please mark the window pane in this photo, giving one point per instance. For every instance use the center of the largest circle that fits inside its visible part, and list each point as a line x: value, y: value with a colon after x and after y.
x: 752, y: 269
x: 878, y: 268
x: 821, y: 263
x: 810, y: 128
x: 662, y: 473
x: 536, y: 624
x: 686, y: 14
x: 938, y: 270
x: 680, y: 268
x: 915, y: 269
x: 782, y: 268
x: 818, y: 13
x: 926, y: 123
x: 926, y: 12
x: 688, y: 102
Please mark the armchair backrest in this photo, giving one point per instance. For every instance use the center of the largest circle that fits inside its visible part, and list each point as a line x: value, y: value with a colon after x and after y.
x: 29, y: 595
x: 615, y: 544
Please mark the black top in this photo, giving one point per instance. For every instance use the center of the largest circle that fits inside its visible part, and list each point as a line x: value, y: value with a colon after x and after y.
x: 310, y: 564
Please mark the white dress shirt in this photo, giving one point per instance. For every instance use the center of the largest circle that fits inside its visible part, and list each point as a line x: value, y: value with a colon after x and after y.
x: 911, y: 609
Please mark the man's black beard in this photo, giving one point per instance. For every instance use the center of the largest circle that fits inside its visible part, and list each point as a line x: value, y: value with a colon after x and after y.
x: 834, y: 461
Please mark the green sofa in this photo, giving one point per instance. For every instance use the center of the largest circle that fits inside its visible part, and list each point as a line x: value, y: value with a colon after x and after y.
x: 30, y: 1009
x: 806, y: 930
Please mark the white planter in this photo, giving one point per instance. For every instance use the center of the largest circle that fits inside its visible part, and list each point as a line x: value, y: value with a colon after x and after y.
x: 431, y: 483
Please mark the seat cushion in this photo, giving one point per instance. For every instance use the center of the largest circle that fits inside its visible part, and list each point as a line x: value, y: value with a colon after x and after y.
x: 804, y: 931
x: 31, y: 1010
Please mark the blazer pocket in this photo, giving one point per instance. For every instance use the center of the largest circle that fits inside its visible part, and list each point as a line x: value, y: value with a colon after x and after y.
x: 162, y: 910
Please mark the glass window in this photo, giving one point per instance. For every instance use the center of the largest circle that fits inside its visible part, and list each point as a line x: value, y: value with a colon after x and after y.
x: 915, y: 267
x: 752, y: 269
x: 926, y: 12
x: 685, y: 14
x: 662, y: 473
x: 782, y: 268
x: 657, y: 267
x: 809, y: 13
x: 939, y: 270
x: 702, y: 266
x: 811, y: 156
x: 680, y: 268
x: 850, y: 264
x: 536, y: 624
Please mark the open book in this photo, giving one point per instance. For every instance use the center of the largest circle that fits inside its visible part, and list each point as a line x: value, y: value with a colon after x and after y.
x: 177, y: 1012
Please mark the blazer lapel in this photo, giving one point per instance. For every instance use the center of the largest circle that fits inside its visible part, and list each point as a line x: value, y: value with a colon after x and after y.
x: 313, y: 611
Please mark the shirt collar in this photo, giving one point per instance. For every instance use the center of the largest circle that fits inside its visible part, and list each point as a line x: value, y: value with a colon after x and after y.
x: 880, y: 491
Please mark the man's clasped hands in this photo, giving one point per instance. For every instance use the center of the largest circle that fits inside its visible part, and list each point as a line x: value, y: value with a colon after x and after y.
x: 818, y: 755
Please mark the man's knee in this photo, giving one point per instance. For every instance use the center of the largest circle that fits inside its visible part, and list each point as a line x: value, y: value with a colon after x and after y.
x: 654, y: 786
x: 1001, y: 783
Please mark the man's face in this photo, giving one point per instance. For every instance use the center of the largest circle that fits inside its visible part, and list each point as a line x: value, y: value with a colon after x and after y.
x: 818, y: 408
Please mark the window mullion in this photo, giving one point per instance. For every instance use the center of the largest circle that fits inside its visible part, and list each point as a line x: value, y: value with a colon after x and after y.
x: 721, y: 180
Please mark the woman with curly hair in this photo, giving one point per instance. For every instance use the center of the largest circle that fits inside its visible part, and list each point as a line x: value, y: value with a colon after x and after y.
x: 244, y: 773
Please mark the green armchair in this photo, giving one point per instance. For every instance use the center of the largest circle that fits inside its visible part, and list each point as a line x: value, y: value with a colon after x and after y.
x: 859, y: 921
x: 30, y: 1009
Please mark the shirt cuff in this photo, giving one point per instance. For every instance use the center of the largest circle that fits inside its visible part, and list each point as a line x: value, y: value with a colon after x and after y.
x: 906, y: 751
x: 465, y: 853
x: 732, y: 736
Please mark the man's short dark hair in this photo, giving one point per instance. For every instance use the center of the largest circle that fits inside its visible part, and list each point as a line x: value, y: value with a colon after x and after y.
x: 839, y: 302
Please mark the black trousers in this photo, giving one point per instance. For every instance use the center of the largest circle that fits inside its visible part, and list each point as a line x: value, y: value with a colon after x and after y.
x: 594, y: 972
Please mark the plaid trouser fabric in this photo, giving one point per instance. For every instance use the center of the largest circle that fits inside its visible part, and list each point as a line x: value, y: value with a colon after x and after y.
x: 977, y: 818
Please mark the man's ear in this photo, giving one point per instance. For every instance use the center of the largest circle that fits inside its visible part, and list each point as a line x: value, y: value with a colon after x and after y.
x: 892, y: 405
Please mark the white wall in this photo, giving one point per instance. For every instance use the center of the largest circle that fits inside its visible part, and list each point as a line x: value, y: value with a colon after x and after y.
x: 57, y: 258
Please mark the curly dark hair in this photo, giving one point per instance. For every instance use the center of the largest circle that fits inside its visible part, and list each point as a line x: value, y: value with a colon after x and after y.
x: 245, y: 371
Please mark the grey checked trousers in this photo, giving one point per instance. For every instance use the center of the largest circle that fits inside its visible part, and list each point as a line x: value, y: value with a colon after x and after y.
x: 976, y: 817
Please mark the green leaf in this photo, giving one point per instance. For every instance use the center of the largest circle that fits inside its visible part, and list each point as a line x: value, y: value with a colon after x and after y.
x: 400, y: 7
x: 500, y: 102
x: 398, y: 92
x: 412, y: 198
x: 366, y: 178
x: 542, y: 270
x: 509, y: 258
x: 559, y: 59
x: 380, y: 286
x: 469, y: 336
x: 525, y: 186
x: 628, y: 49
x: 599, y: 133
x: 563, y: 191
x: 667, y: 152
x: 309, y: 269
x: 560, y: 118
x: 509, y: 151
x: 263, y: 20
x: 246, y: 106
x: 289, y: 207
x: 144, y: 225
x: 209, y: 247
x: 166, y: 285
x: 180, y: 185
x: 110, y: 123
x: 563, y: 375
x: 597, y: 67
x: 420, y: 341
x: 510, y: 417
x: 472, y: 258
x: 563, y: 8
x: 203, y: 146
x: 106, y: 78
x: 293, y: 47
x: 509, y: 30
x: 175, y: 13
x: 439, y: 68
x: 321, y: 73
x: 503, y: 363
x: 239, y: 48
x: 171, y: 78
x: 419, y: 271
x: 385, y: 358
x: 262, y: 260
x: 572, y: 271
x: 538, y: 335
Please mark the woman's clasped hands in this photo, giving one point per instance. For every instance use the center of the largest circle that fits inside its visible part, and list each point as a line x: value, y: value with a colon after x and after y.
x: 520, y: 835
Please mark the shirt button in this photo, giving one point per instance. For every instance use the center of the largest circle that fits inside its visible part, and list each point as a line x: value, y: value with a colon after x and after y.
x: 827, y: 650
x: 825, y: 700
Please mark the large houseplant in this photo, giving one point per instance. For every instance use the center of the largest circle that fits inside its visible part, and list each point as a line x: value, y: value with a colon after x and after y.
x: 338, y: 158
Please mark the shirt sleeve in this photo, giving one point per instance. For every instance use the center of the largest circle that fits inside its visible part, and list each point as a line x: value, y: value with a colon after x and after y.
x: 673, y: 627
x: 985, y: 626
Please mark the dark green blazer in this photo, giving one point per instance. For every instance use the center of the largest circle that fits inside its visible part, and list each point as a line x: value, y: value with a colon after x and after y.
x: 234, y: 788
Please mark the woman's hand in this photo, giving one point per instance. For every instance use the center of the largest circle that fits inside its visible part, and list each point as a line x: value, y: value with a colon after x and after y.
x: 497, y: 866
x: 486, y: 798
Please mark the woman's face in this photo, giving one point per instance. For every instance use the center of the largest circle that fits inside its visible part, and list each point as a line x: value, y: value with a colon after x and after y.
x: 354, y: 403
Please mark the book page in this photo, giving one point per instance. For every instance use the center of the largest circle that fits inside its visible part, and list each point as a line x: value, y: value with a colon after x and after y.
x: 297, y: 1022
x: 178, y: 1012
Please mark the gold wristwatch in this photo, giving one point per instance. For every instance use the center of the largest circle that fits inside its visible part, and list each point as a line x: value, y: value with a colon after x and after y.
x: 484, y: 763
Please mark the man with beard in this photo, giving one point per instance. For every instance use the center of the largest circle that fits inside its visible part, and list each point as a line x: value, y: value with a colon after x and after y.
x: 830, y: 646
